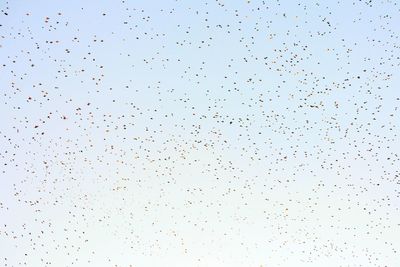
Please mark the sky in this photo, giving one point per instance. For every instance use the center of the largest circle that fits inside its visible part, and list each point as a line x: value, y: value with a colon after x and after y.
x: 199, y: 133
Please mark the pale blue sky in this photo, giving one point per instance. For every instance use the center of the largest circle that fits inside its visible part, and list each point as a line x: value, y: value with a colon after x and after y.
x: 199, y: 133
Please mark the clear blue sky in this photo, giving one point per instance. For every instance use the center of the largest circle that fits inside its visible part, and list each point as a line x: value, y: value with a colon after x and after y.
x: 199, y: 133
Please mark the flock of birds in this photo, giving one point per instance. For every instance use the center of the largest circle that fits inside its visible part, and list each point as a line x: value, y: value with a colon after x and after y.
x: 200, y: 133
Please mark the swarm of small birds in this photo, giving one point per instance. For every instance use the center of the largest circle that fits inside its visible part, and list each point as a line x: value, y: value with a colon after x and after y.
x: 200, y: 133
